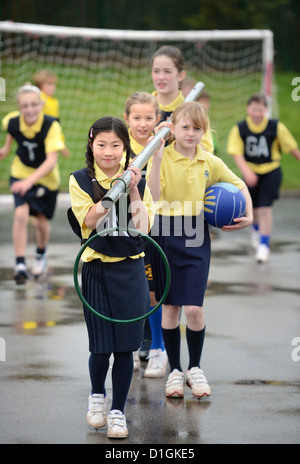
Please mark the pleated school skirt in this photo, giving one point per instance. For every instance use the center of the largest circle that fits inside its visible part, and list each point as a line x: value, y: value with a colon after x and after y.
x: 120, y: 291
x: 189, y: 265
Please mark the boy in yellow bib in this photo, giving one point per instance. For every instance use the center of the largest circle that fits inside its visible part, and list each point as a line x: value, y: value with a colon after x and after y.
x: 256, y: 145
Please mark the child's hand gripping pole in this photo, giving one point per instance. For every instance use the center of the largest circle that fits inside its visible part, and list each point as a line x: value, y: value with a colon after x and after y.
x: 140, y: 162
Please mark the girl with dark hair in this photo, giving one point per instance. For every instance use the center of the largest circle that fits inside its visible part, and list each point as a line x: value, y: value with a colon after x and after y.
x: 142, y: 115
x: 113, y: 273
x: 168, y: 74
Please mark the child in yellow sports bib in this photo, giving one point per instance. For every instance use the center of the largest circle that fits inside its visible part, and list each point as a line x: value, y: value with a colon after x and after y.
x: 35, y: 178
x: 256, y: 144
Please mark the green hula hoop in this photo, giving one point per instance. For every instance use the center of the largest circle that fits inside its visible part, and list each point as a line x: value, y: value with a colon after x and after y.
x: 109, y: 319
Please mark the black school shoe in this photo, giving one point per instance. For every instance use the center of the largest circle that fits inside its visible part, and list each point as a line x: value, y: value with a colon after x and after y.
x: 144, y: 350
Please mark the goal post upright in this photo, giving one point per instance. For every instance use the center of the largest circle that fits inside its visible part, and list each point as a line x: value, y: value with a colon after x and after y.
x: 268, y: 67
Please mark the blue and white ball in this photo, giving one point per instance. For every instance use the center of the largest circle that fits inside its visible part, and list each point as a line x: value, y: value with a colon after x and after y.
x: 223, y: 202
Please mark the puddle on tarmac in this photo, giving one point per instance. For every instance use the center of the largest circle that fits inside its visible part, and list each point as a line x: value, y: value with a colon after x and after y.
x: 290, y: 412
x: 226, y: 288
x: 277, y: 247
x: 54, y: 301
x: 36, y: 377
x: 275, y: 383
x: 6, y: 274
x: 41, y: 303
x: 36, y: 371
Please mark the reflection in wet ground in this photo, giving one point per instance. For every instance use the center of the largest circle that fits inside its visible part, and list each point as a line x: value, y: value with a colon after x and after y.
x: 278, y: 246
x: 252, y: 316
x: 229, y: 288
x: 42, y: 303
x: 52, y: 300
x: 49, y: 302
x: 274, y: 383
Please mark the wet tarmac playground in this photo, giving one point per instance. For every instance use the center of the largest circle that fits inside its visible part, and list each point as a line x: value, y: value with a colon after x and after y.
x: 251, y: 355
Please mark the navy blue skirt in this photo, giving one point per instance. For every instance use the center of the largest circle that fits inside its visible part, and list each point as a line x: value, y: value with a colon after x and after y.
x: 189, y: 260
x: 120, y: 291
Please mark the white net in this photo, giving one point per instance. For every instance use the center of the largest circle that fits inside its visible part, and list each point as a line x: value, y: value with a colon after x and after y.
x: 97, y: 74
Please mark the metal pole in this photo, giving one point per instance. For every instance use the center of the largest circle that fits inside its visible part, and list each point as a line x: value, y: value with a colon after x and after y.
x: 120, y: 185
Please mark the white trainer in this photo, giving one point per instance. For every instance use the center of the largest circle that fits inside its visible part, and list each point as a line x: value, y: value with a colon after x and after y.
x: 262, y: 254
x: 255, y: 238
x: 116, y: 425
x: 196, y: 380
x: 157, y: 364
x: 175, y: 384
x: 96, y: 415
x: 40, y: 265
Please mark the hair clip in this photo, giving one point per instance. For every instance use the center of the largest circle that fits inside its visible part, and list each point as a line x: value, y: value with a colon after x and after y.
x: 91, y: 133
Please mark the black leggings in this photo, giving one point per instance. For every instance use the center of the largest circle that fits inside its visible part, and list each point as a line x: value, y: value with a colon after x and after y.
x: 122, y: 372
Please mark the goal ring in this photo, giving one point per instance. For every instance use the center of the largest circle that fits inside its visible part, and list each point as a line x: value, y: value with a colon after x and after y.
x: 110, y: 319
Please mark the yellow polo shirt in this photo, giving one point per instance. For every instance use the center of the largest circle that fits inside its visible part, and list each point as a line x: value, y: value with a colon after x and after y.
x: 170, y: 107
x: 136, y: 147
x: 284, y: 142
x: 51, y: 105
x: 81, y: 203
x: 184, y: 182
x: 207, y: 139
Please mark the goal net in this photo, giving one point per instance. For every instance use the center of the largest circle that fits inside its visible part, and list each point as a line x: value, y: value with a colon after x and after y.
x: 98, y: 69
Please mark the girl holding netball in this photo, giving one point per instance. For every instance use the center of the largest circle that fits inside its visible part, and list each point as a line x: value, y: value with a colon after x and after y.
x: 113, y: 274
x: 178, y: 177
x: 167, y: 70
x: 142, y: 115
x: 35, y: 178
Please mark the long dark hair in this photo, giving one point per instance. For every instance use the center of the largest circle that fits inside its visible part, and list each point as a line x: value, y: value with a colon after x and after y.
x: 106, y: 124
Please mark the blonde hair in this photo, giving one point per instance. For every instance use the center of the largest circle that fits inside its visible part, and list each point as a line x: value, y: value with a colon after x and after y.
x: 40, y: 77
x: 194, y: 111
x: 27, y: 88
x: 141, y: 98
